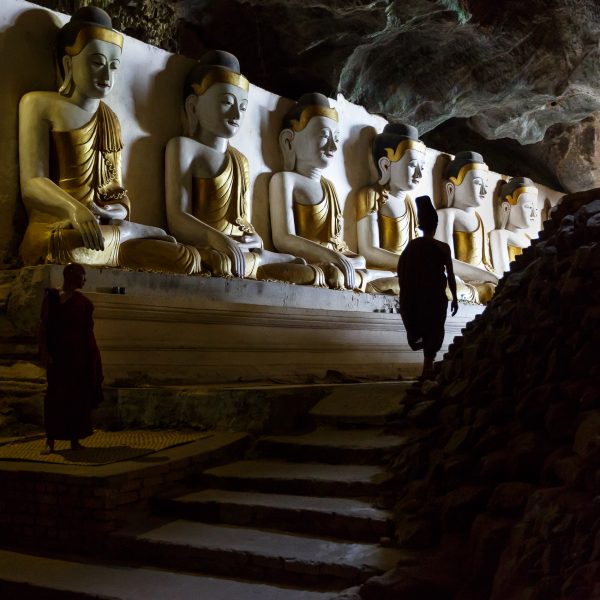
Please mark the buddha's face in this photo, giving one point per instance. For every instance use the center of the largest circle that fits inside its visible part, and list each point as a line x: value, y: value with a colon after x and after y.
x: 406, y: 173
x: 220, y: 110
x: 472, y: 190
x: 316, y: 145
x: 524, y: 213
x: 93, y: 70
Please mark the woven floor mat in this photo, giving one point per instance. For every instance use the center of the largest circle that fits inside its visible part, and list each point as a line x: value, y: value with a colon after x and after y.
x: 101, y: 448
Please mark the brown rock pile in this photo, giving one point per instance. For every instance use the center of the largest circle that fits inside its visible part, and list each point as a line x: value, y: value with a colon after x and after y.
x: 502, y: 485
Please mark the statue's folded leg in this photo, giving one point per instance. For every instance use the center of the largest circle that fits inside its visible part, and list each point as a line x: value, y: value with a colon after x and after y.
x: 333, y: 276
x: 216, y: 262
x: 159, y: 256
x: 295, y: 273
x: 384, y: 285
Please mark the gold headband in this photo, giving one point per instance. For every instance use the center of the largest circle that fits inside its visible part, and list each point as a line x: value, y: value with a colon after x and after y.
x: 402, y: 147
x: 514, y: 197
x: 93, y: 32
x: 313, y: 111
x: 220, y: 75
x: 465, y: 169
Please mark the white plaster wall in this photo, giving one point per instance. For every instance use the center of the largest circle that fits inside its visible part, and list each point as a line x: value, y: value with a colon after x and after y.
x: 148, y: 99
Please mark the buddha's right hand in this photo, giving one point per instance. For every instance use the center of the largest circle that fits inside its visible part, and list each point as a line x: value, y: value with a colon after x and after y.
x: 85, y: 222
x: 235, y: 253
x: 347, y: 268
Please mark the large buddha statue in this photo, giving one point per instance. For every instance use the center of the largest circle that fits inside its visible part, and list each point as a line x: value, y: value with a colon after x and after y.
x: 207, y: 182
x: 517, y: 212
x: 385, y: 214
x: 70, y: 164
x: 462, y: 228
x: 306, y: 217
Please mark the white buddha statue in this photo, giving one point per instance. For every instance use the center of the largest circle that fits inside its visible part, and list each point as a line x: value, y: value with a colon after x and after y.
x: 386, y: 217
x: 518, y: 211
x: 70, y: 164
x: 207, y: 182
x: 462, y: 228
x: 306, y: 217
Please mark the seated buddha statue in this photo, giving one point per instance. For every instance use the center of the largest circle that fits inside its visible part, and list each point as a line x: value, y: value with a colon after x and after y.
x: 386, y: 217
x: 518, y: 211
x: 306, y: 217
x: 70, y: 164
x: 462, y: 228
x: 207, y: 181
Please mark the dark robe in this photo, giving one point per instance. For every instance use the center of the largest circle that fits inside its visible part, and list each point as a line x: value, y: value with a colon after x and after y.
x: 74, y: 367
x: 423, y: 300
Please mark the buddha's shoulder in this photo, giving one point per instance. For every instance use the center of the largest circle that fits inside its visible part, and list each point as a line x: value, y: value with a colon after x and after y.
x: 41, y: 100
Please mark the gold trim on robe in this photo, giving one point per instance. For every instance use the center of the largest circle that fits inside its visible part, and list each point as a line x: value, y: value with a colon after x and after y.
x: 86, y: 164
x: 83, y: 163
x: 222, y: 201
x: 513, y: 252
x: 472, y: 247
x: 322, y: 222
x: 394, y: 232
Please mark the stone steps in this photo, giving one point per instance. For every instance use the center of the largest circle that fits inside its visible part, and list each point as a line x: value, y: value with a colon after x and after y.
x: 354, y: 446
x: 368, y: 405
x: 26, y: 576
x: 314, y: 479
x: 257, y: 554
x: 342, y: 518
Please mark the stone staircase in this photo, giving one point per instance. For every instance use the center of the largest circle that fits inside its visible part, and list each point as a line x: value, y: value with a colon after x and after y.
x: 303, y: 510
x: 301, y: 517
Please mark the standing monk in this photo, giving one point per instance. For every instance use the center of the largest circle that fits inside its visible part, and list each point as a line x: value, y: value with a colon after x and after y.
x: 423, y: 270
x: 69, y: 352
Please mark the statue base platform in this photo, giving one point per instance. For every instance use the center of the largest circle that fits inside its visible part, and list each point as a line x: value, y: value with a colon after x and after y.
x: 158, y: 329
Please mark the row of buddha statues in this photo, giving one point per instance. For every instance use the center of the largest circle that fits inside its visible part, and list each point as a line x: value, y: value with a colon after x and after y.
x: 71, y: 183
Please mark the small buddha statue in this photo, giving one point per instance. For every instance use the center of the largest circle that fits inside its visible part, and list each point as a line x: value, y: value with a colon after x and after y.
x: 70, y: 164
x: 306, y: 217
x: 518, y: 211
x: 462, y: 228
x: 207, y: 181
x: 386, y: 215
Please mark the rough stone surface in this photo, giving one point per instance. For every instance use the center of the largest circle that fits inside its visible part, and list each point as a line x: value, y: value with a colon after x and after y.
x: 502, y: 486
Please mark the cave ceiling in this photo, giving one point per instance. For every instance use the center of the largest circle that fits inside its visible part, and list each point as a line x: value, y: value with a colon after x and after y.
x: 516, y: 80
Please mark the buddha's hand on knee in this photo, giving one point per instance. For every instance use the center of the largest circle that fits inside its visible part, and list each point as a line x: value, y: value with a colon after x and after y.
x: 234, y: 252
x: 86, y: 223
x: 347, y: 268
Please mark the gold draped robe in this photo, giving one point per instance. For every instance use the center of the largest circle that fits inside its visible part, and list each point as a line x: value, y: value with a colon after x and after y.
x: 394, y: 232
x: 472, y: 248
x: 222, y: 202
x: 86, y: 163
x: 322, y: 222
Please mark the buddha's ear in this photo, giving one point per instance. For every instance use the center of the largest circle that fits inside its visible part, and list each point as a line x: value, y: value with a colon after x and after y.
x: 65, y: 88
x: 385, y: 168
x: 191, y: 115
x: 504, y: 214
x: 286, y: 143
x: 450, y: 189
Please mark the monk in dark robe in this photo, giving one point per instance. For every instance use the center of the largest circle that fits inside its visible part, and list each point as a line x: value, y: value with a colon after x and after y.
x: 424, y: 268
x: 74, y: 369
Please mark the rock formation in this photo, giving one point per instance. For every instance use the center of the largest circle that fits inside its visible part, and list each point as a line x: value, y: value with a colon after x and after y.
x: 501, y: 482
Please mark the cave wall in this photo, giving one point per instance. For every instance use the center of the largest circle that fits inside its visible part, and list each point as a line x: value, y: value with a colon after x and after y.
x: 506, y: 70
